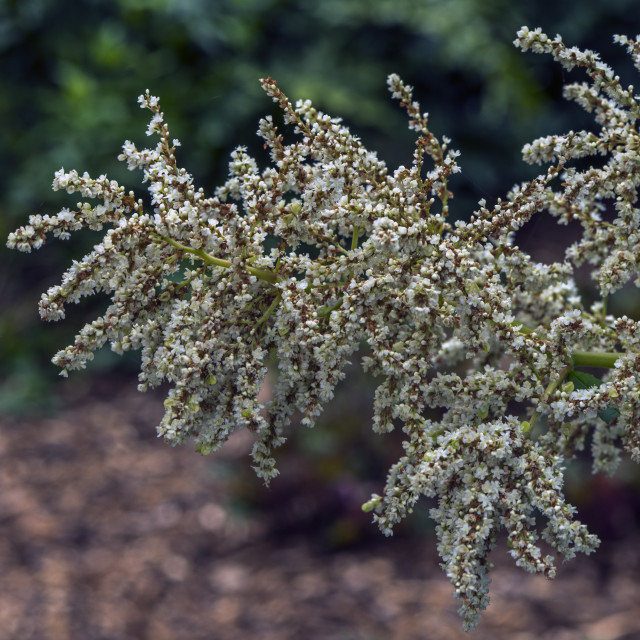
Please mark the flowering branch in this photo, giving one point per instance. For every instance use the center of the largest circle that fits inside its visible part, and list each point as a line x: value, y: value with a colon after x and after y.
x: 263, y: 274
x: 459, y: 321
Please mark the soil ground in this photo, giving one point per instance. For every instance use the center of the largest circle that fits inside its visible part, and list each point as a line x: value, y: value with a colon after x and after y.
x: 109, y: 534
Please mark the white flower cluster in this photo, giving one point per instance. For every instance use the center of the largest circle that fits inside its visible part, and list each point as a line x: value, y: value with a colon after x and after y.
x: 472, y: 339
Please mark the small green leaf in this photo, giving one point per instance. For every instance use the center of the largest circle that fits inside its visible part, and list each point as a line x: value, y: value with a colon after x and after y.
x: 471, y: 287
x: 483, y: 412
x: 583, y: 380
x: 609, y: 414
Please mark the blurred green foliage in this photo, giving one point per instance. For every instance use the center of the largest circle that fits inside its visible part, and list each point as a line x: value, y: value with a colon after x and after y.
x: 71, y: 73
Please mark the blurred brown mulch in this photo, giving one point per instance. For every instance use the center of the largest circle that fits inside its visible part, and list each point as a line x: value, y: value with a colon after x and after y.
x: 109, y: 534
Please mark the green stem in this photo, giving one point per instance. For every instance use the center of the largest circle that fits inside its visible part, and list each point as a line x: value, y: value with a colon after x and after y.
x: 602, y: 359
x: 445, y: 198
x: 354, y: 239
x: 269, y: 311
x: 263, y: 274
x: 553, y: 385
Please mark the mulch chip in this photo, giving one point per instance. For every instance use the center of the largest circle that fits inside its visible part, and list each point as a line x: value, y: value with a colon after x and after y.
x: 110, y: 534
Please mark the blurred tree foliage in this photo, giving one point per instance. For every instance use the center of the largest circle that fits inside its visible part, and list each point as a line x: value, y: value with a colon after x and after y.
x: 71, y: 73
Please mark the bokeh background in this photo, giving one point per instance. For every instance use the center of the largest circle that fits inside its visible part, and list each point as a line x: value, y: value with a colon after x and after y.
x: 70, y: 77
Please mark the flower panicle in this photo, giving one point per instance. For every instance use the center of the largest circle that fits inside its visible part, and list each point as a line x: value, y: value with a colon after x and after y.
x: 459, y: 322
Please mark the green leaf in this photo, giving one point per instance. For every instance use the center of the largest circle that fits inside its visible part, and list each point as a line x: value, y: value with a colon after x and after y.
x: 583, y: 380
x: 609, y: 414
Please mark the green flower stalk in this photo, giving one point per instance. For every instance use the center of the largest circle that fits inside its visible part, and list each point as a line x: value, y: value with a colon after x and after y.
x: 457, y: 318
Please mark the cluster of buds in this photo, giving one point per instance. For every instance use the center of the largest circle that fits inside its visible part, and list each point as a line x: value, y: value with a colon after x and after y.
x: 295, y: 267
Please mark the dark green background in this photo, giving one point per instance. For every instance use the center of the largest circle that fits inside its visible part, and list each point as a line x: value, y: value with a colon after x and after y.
x: 71, y: 73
